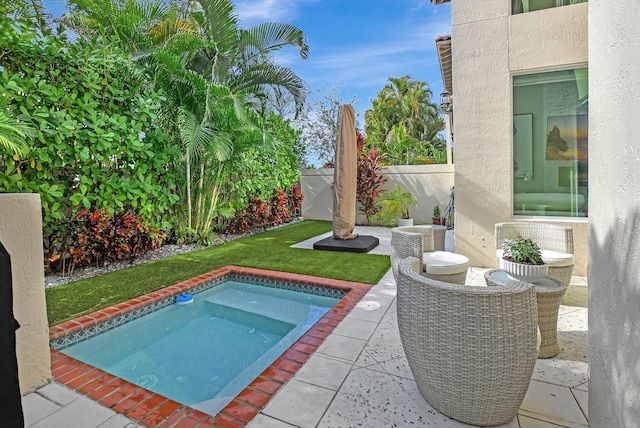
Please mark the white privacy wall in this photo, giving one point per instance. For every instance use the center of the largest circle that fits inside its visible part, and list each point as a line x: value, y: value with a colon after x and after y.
x: 429, y: 184
x: 614, y: 240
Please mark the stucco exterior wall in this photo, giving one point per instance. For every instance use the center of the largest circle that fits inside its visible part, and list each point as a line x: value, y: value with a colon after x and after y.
x: 489, y: 47
x: 614, y: 244
x: 21, y: 234
x: 429, y: 184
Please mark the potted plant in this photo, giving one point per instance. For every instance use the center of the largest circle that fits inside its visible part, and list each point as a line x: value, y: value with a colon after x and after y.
x: 522, y: 260
x: 394, y: 205
x: 436, y: 216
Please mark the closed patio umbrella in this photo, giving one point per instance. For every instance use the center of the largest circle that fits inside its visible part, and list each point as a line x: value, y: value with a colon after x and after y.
x: 345, y: 176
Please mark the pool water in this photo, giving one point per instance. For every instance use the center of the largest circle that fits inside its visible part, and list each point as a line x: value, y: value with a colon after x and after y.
x: 204, y: 353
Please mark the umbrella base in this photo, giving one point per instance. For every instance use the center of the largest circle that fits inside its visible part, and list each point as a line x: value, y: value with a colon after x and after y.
x: 361, y: 244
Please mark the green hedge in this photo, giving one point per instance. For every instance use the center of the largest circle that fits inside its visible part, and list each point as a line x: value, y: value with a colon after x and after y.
x: 98, y: 145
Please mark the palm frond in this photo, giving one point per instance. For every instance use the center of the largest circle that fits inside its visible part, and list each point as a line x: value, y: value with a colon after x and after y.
x: 220, y: 23
x: 254, y: 77
x: 267, y: 37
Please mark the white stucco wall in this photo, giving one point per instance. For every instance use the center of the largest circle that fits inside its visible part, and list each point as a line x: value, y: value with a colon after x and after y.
x: 489, y: 46
x: 21, y: 234
x: 429, y: 184
x: 614, y: 244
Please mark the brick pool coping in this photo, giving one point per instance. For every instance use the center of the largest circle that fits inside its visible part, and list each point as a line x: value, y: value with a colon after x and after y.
x: 150, y: 409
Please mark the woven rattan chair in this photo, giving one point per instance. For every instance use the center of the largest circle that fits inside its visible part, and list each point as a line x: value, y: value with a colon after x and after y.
x: 471, y: 349
x: 555, y: 241
x: 418, y: 241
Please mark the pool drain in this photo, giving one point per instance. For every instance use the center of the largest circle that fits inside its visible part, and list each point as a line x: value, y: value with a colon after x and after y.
x: 147, y: 381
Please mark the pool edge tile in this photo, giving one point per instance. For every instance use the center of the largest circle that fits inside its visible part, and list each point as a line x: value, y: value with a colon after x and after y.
x: 114, y: 392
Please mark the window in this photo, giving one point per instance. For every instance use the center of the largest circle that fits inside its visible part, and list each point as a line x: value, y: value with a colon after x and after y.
x: 522, y: 6
x: 550, y: 143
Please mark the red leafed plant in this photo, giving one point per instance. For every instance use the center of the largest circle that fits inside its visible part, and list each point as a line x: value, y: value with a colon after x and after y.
x: 255, y: 215
x: 105, y: 238
x: 279, y: 213
x: 369, y: 178
x: 295, y: 200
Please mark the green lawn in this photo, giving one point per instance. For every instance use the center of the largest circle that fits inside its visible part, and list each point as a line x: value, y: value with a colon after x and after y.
x: 268, y: 250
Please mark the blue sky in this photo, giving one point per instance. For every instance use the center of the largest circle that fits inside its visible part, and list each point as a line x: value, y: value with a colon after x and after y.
x: 354, y: 45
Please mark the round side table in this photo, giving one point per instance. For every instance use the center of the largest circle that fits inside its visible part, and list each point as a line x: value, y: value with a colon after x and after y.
x: 549, y: 292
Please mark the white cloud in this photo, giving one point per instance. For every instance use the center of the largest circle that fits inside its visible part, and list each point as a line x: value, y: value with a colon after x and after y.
x: 254, y: 11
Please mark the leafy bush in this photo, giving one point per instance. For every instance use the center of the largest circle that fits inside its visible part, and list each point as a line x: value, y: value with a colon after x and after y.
x: 394, y: 204
x: 274, y: 164
x: 295, y: 200
x: 100, y: 237
x: 369, y: 178
x: 260, y: 214
x: 99, y: 146
x: 254, y: 216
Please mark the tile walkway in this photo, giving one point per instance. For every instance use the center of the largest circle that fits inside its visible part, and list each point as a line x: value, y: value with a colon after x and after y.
x: 359, y: 377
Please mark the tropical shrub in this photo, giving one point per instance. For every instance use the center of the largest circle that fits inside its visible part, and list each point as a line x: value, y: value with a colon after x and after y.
x: 295, y: 200
x: 394, y: 204
x: 98, y: 144
x: 369, y: 178
x: 260, y: 214
x: 101, y: 237
x: 404, y: 123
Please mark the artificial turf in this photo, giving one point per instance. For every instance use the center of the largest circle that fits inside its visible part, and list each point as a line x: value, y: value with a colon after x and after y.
x: 267, y: 250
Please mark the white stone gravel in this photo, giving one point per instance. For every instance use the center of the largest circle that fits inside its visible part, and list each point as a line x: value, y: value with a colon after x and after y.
x: 162, y: 252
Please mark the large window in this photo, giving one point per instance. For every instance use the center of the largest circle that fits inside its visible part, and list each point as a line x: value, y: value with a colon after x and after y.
x: 550, y: 144
x: 522, y: 6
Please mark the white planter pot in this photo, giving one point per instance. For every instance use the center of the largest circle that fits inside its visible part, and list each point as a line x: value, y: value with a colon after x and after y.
x: 522, y: 272
x: 405, y: 222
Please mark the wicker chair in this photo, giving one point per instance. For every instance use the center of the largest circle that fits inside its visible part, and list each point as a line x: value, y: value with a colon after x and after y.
x: 471, y: 349
x: 555, y: 241
x: 418, y: 241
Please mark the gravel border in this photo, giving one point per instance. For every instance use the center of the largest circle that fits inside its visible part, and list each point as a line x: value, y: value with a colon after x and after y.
x: 160, y: 253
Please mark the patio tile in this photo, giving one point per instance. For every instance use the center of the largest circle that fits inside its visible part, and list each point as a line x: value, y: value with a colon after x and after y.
x: 573, y: 345
x: 36, y: 408
x: 323, y: 371
x: 58, y: 394
x: 343, y: 347
x: 578, y: 280
x: 582, y: 397
x: 527, y: 422
x: 573, y: 319
x: 397, y: 367
x: 81, y: 413
x: 511, y: 424
x: 264, y: 421
x: 552, y: 403
x: 374, y: 399
x: 583, y: 387
x: 561, y: 372
x: 366, y: 360
x: 385, y: 343
x: 299, y: 404
x: 368, y: 309
x: 118, y: 421
x: 356, y: 329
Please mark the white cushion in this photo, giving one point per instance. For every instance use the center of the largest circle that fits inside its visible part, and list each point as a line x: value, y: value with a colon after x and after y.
x: 552, y: 258
x: 557, y: 259
x: 444, y: 263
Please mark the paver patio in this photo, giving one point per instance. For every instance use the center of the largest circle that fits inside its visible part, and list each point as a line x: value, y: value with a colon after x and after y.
x: 359, y: 377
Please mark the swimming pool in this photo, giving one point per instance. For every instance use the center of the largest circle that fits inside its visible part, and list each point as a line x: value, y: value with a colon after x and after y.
x: 216, y: 303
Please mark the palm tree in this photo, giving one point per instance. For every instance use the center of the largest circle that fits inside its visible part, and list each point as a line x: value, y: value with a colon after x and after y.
x: 226, y: 54
x: 403, y: 118
x: 208, y: 68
